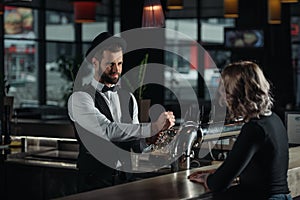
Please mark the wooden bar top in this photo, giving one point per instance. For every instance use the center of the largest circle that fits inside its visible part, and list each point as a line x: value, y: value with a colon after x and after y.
x: 170, y: 186
x: 176, y: 185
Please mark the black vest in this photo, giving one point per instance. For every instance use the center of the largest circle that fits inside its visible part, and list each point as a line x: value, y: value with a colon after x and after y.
x: 86, y: 162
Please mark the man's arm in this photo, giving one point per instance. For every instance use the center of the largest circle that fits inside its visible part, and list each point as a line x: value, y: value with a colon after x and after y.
x: 83, y: 112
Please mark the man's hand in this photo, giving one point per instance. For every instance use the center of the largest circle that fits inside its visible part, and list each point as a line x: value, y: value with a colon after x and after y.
x: 165, y: 121
x: 153, y: 139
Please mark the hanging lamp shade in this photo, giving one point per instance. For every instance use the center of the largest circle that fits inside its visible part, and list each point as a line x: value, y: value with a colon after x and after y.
x: 153, y: 15
x: 274, y: 11
x: 289, y: 1
x: 84, y: 11
x: 175, y: 4
x: 231, y: 8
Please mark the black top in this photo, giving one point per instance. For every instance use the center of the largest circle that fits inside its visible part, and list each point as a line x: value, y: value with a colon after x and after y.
x: 259, y: 157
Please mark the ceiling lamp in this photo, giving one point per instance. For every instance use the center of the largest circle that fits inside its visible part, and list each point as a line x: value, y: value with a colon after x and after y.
x: 153, y: 15
x: 274, y: 11
x: 175, y: 4
x: 231, y: 8
x: 289, y: 1
x: 84, y: 11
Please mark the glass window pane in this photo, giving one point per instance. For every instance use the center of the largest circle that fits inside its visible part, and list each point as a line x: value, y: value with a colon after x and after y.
x: 184, y: 69
x: 59, y: 82
x: 21, y: 72
x: 212, y: 30
x: 184, y: 26
x: 91, y: 30
x: 176, y: 43
x: 220, y: 57
x: 117, y: 26
x: 59, y: 26
x: 20, y: 59
x: 212, y: 75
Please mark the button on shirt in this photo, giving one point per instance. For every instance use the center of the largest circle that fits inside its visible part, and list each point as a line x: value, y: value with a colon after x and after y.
x: 82, y: 110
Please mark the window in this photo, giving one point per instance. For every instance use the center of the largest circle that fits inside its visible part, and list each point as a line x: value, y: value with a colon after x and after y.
x: 188, y: 64
x: 58, y: 85
x: 180, y: 41
x: 60, y: 37
x: 59, y: 26
x: 20, y: 54
x: 91, y: 30
x: 212, y: 30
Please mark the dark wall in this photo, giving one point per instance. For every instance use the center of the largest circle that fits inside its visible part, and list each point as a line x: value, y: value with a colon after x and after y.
x: 1, y: 76
x: 35, y: 182
x: 131, y: 18
x: 275, y: 57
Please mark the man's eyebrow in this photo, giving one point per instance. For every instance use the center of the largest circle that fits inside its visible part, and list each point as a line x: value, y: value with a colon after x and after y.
x: 110, y: 63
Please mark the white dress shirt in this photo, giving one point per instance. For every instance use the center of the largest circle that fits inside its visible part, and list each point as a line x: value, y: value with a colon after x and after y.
x: 82, y: 110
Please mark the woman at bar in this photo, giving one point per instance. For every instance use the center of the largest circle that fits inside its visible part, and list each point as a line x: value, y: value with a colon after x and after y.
x: 260, y: 155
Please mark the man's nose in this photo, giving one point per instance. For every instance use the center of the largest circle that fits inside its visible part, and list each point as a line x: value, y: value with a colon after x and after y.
x: 114, y: 68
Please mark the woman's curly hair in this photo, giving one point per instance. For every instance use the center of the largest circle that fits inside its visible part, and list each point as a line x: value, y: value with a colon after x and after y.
x: 247, y: 90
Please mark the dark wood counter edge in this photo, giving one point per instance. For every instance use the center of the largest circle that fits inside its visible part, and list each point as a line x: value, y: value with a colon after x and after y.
x: 42, y: 163
x: 20, y: 158
x: 54, y: 128
x: 174, y: 178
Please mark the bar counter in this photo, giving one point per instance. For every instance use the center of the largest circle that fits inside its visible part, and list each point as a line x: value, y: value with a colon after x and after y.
x: 176, y: 185
x: 47, y: 127
x: 170, y: 186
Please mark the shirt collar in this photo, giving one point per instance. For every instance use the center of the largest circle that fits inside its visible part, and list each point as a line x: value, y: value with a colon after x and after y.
x: 98, y: 86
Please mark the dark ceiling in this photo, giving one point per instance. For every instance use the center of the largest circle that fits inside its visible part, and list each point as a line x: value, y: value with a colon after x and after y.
x: 208, y: 8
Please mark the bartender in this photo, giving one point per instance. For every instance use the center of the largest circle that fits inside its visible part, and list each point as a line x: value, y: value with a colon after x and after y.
x: 103, y: 109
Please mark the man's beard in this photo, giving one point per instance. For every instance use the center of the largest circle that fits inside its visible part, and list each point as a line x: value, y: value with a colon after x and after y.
x: 106, y: 79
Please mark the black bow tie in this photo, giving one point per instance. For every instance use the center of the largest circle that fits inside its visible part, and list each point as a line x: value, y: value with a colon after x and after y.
x: 105, y: 89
